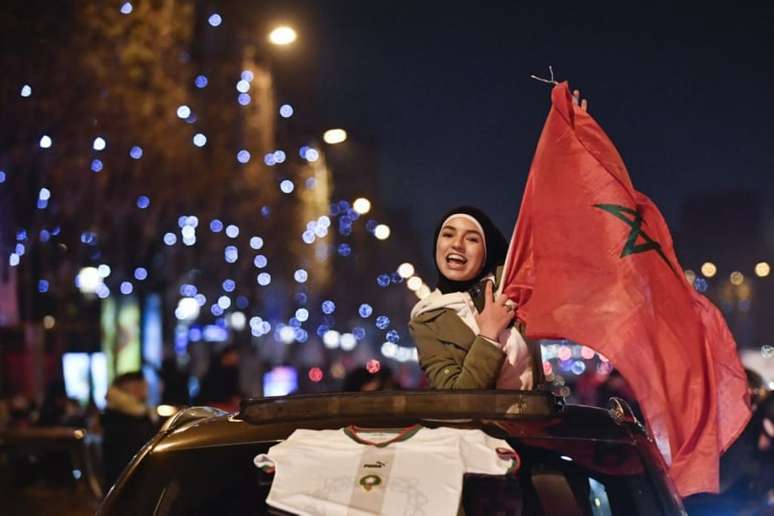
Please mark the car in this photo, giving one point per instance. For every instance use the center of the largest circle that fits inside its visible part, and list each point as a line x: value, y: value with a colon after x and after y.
x: 49, y: 470
x: 574, y: 459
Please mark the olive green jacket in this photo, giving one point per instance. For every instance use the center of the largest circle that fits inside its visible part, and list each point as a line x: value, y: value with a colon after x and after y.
x: 452, y: 357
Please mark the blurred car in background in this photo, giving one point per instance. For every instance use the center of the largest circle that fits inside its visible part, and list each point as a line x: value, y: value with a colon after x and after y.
x: 51, y: 470
x: 576, y: 460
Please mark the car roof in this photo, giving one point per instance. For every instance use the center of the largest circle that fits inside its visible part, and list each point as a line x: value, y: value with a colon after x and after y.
x: 505, y: 413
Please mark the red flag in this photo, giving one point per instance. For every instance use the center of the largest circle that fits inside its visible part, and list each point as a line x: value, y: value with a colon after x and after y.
x: 591, y: 260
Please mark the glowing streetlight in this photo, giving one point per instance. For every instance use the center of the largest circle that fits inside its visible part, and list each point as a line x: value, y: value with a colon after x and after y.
x: 414, y: 283
x: 187, y: 309
x: 382, y: 231
x: 405, y: 270
x: 331, y: 339
x: 361, y: 205
x: 237, y: 321
x: 736, y: 278
x: 709, y: 269
x: 762, y: 269
x: 88, y: 280
x: 334, y: 136
x: 423, y: 292
x: 282, y: 35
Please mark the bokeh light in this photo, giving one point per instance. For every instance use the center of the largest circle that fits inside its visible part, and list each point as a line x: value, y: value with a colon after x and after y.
x: 199, y: 140
x: 183, y: 112
x: 232, y: 231
x: 88, y: 280
x: 361, y: 205
x: 405, y: 270
x: 315, y: 374
x: 736, y: 278
x: 334, y: 136
x: 243, y: 156
x: 282, y: 35
x: 709, y: 269
x: 328, y: 307
x: 286, y: 110
x: 414, y: 283
x: 256, y: 242
x: 215, y: 20
x: 382, y: 231
x: 287, y: 186
x: 762, y: 269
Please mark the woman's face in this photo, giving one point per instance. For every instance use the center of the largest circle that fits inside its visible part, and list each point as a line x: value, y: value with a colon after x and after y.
x: 460, y: 251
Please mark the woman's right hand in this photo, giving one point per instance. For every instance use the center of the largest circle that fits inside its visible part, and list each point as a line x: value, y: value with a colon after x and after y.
x: 496, y: 315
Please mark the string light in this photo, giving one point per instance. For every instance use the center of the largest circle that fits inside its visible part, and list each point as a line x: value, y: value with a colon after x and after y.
x: 762, y: 269
x: 708, y: 269
x: 215, y: 20
x: 286, y: 110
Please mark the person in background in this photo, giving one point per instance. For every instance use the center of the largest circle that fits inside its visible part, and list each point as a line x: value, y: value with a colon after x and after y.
x: 127, y: 423
x: 747, y: 467
x: 362, y: 380
x: 220, y: 386
x: 175, y: 382
x: 60, y: 410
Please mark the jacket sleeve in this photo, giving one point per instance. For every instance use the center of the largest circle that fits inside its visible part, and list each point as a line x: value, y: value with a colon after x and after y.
x: 479, y: 370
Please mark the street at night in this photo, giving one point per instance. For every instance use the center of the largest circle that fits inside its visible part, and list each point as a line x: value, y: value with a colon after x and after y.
x: 306, y: 257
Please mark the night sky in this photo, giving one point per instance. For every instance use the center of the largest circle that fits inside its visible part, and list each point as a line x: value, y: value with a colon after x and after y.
x: 443, y: 88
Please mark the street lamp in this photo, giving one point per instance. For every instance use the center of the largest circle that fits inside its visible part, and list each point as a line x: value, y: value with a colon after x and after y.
x: 334, y: 136
x: 88, y: 280
x: 361, y: 205
x: 382, y: 231
x: 282, y: 35
x: 405, y: 270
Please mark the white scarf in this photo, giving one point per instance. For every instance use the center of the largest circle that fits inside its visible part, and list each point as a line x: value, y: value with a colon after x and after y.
x: 516, y: 372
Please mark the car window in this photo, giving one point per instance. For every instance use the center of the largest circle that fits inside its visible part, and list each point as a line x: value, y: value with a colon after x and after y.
x: 557, y: 476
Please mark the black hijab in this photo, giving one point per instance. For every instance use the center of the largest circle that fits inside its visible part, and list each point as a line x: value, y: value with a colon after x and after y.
x: 496, y: 249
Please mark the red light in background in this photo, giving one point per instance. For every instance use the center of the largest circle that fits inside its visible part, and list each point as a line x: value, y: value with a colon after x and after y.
x: 373, y: 366
x: 315, y: 374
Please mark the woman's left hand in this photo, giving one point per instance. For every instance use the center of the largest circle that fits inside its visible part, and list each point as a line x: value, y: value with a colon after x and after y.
x: 578, y: 101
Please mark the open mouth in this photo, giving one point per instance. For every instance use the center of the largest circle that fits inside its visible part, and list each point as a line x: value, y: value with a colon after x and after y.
x: 456, y: 259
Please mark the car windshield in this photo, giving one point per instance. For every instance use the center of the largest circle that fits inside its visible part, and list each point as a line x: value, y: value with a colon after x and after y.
x: 557, y: 476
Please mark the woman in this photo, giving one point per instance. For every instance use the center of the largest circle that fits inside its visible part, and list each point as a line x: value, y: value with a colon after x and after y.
x: 466, y: 338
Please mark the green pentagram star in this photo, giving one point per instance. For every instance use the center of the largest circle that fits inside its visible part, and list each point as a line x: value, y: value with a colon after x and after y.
x: 635, y: 223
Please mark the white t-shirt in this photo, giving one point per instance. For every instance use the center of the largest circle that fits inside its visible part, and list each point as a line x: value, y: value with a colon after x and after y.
x: 354, y: 471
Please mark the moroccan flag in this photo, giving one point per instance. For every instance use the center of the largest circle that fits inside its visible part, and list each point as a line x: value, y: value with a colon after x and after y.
x: 591, y: 260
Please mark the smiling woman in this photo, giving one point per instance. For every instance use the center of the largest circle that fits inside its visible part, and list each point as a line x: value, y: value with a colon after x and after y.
x: 466, y: 338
